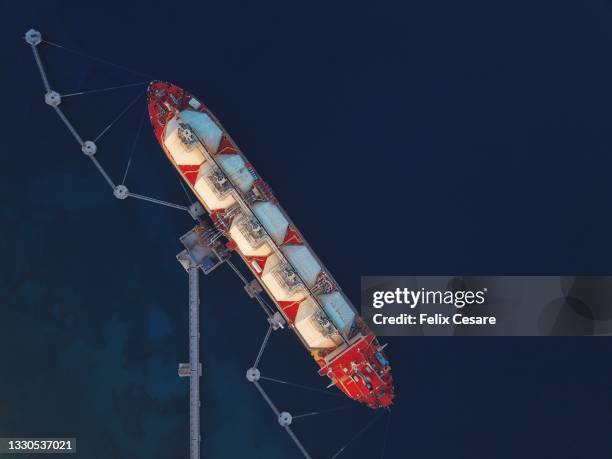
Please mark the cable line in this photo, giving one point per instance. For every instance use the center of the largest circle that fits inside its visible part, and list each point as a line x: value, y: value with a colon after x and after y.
x: 263, y: 346
x: 91, y: 91
x: 185, y: 190
x: 385, y: 436
x: 340, y: 408
x: 119, y: 116
x: 357, y: 435
x: 104, y: 61
x: 280, y: 381
x: 127, y: 168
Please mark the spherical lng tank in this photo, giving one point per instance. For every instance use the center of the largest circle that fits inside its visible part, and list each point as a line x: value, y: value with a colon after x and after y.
x: 244, y: 209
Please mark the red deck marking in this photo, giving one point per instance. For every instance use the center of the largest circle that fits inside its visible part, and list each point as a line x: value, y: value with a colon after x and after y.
x: 260, y: 261
x: 292, y: 237
x: 226, y: 147
x: 231, y: 245
x: 190, y: 171
x: 290, y: 308
x: 217, y: 214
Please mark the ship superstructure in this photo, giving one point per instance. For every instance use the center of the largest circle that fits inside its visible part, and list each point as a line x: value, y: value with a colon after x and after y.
x: 248, y: 216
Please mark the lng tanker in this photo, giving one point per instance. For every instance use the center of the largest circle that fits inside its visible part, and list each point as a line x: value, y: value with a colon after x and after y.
x: 246, y: 212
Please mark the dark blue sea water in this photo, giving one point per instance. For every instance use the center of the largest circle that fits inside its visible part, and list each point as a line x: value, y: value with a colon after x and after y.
x: 436, y: 137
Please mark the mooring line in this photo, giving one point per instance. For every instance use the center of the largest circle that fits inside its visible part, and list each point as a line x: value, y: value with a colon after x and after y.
x: 330, y: 410
x: 104, y: 61
x: 385, y: 436
x: 189, y: 200
x: 263, y: 346
x: 91, y: 91
x: 119, y: 116
x: 133, y: 149
x: 357, y: 435
x: 280, y: 381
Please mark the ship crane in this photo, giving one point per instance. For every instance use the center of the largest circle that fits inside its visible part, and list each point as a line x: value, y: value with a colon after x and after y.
x: 331, y: 329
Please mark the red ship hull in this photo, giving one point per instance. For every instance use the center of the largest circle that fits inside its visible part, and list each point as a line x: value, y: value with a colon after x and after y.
x: 244, y: 209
